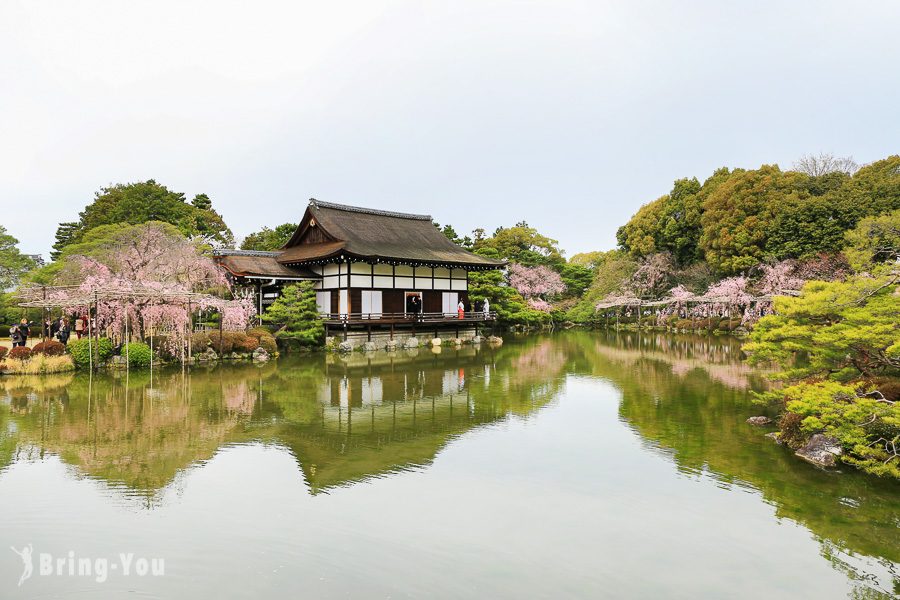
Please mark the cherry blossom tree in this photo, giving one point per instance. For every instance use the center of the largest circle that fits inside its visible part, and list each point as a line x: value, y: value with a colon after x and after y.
x: 152, y: 277
x: 652, y: 275
x: 780, y: 277
x: 730, y: 293
x: 538, y: 282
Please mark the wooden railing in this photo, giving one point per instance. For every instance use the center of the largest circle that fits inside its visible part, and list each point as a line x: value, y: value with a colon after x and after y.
x: 355, y: 318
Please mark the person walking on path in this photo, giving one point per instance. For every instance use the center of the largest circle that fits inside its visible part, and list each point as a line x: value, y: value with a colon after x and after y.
x: 62, y: 332
x: 79, y: 326
x: 23, y: 329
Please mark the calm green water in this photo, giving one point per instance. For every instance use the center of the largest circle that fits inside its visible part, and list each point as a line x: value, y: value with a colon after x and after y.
x: 576, y: 465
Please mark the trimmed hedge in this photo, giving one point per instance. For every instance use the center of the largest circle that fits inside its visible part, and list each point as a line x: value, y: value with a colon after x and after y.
x: 138, y: 354
x: 50, y: 348
x: 266, y: 339
x: 20, y: 353
x: 80, y: 350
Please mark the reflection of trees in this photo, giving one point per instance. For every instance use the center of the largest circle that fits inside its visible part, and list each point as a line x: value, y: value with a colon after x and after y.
x: 697, y: 417
x: 346, y: 419
x: 128, y: 432
x: 378, y: 414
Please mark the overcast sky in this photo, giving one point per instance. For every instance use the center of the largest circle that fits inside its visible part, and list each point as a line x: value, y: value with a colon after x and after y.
x: 566, y: 114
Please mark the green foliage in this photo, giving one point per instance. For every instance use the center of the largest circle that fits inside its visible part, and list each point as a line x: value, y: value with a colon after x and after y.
x: 837, y: 329
x: 138, y: 354
x: 737, y: 219
x: 867, y: 426
x: 80, y: 350
x: 612, y: 269
x: 875, y: 241
x: 13, y: 264
x: 265, y: 337
x: 65, y: 235
x: 577, y: 278
x: 450, y: 233
x: 141, y: 202
x: 522, y: 244
x: 297, y: 314
x: 805, y: 226
x: 269, y: 239
x: 873, y: 190
x: 669, y: 224
x: 738, y: 216
x: 510, y: 306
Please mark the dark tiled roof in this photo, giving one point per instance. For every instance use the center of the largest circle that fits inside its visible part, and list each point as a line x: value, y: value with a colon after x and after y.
x: 303, y: 252
x: 261, y: 265
x: 368, y: 233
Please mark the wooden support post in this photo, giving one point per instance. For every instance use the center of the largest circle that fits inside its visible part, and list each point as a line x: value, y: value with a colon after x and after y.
x: 190, y: 326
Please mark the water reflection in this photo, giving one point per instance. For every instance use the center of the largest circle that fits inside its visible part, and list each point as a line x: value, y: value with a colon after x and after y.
x: 345, y: 419
x: 348, y: 420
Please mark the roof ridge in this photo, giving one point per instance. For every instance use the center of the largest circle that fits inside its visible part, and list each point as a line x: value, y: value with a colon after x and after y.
x: 368, y: 211
x: 237, y: 252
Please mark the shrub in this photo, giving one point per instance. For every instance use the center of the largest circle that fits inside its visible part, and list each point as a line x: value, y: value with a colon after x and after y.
x: 205, y: 339
x: 3, y: 352
x: 266, y: 339
x: 245, y: 343
x: 138, y: 354
x: 40, y: 363
x: 80, y: 350
x: 50, y: 348
x: 200, y: 341
x: 790, y: 432
x: 20, y: 353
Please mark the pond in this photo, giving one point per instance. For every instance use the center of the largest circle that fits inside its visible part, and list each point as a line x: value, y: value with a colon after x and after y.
x: 579, y: 464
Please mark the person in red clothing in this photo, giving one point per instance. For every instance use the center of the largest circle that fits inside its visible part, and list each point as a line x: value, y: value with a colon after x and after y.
x: 461, y: 309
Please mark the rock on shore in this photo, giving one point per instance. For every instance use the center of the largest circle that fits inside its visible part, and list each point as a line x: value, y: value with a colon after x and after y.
x: 821, y: 450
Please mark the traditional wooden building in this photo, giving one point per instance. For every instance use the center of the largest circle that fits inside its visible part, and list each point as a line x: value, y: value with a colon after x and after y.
x: 367, y: 266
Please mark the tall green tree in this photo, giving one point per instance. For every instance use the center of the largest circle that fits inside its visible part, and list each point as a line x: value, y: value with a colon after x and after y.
x: 65, y: 235
x: 13, y: 264
x: 738, y: 216
x: 145, y: 201
x: 296, y: 314
x: 269, y: 239
x: 450, y: 233
x: 523, y: 244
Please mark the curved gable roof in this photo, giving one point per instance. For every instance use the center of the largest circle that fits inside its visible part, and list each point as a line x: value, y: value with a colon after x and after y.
x: 376, y: 234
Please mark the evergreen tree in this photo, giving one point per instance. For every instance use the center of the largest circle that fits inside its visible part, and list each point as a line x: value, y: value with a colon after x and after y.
x: 269, y: 239
x: 65, y: 235
x: 297, y: 314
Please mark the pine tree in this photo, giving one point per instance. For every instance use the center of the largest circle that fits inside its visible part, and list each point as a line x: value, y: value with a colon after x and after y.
x: 298, y: 315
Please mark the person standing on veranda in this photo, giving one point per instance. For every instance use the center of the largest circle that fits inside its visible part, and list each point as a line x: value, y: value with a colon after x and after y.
x: 461, y: 310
